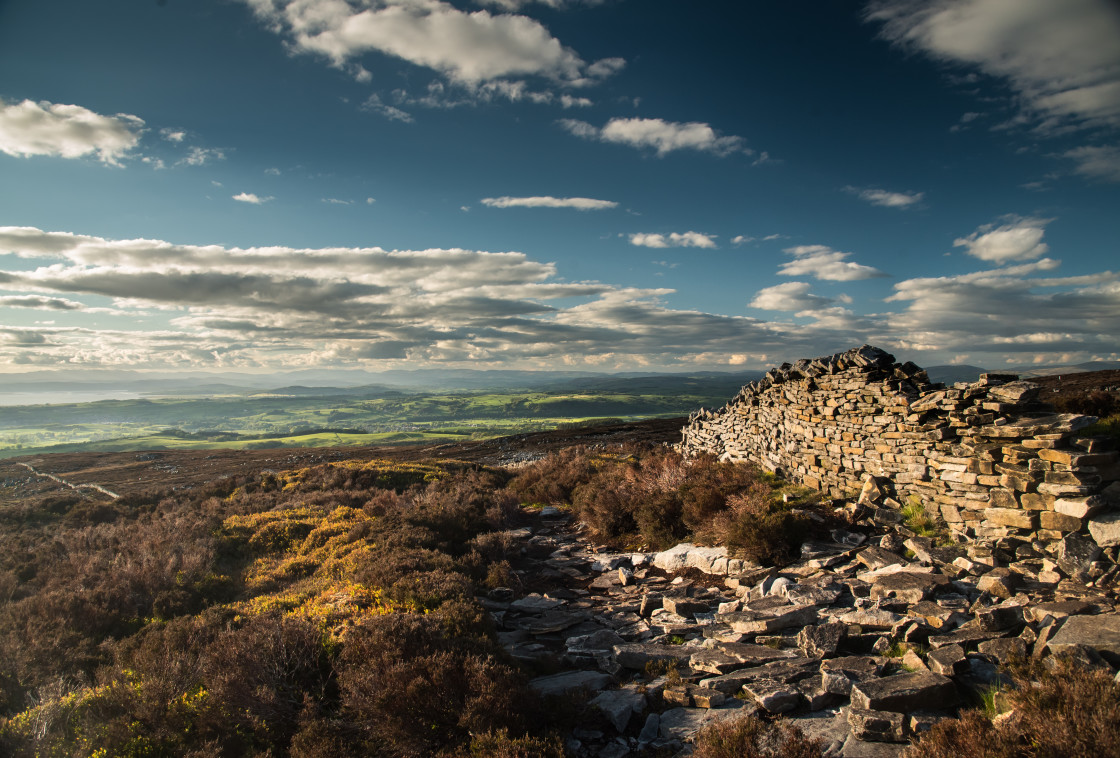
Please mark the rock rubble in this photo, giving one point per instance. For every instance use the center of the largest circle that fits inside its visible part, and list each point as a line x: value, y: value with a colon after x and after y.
x: 867, y: 641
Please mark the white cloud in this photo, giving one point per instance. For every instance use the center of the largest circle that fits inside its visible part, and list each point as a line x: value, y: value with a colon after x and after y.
x: 466, y: 47
x: 823, y: 262
x: 251, y: 198
x: 66, y: 131
x: 1018, y: 240
x: 173, y: 135
x: 271, y: 172
x: 374, y: 104
x: 1062, y: 58
x: 370, y: 201
x: 281, y: 306
x: 790, y: 296
x: 662, y: 136
x: 200, y: 156
x: 516, y: 5
x: 742, y: 240
x: 336, y: 201
x: 579, y: 203
x: 675, y: 239
x: 39, y: 302
x: 1009, y: 310
x: 886, y: 198
x: 1098, y: 162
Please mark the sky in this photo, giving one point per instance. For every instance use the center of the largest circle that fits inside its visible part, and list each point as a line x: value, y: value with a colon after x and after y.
x: 607, y: 185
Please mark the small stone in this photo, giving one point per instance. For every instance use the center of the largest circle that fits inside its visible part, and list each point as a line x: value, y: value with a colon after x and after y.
x: 1105, y: 529
x: 822, y: 640
x: 619, y: 705
x: 948, y: 660
x: 876, y: 726
x: 1000, y: 582
x: 772, y: 696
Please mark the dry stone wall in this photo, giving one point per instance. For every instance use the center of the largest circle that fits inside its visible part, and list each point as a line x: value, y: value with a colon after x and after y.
x: 988, y: 457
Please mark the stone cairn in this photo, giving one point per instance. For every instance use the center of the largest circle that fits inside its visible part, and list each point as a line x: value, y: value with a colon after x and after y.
x: 987, y: 457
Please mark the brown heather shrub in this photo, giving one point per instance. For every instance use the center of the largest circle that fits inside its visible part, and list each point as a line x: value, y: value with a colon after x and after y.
x: 413, y: 690
x: 758, y: 527
x: 500, y: 745
x: 1068, y: 712
x: 751, y: 737
x: 552, y: 479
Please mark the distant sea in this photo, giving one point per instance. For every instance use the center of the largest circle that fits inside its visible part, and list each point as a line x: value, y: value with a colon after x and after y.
x: 69, y: 396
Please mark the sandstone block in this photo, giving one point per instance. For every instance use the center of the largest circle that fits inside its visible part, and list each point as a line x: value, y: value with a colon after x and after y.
x: 904, y: 692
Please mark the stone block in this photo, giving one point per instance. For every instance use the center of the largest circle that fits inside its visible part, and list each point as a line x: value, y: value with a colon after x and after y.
x: 904, y: 692
x: 1018, y: 519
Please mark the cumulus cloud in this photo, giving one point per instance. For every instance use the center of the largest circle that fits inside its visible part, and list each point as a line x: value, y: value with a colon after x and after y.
x: 1020, y: 239
x: 466, y: 47
x: 823, y: 262
x: 675, y: 239
x: 39, y: 302
x: 67, y: 131
x: 173, y: 135
x: 662, y: 136
x: 886, y: 198
x: 516, y: 5
x: 1061, y: 58
x: 579, y: 203
x: 790, y: 296
x: 251, y: 198
x: 1010, y: 311
x: 280, y: 306
x: 200, y: 156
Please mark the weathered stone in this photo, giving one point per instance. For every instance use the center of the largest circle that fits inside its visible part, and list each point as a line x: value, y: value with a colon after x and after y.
x: 1105, y: 529
x: 907, y: 586
x: 763, y: 622
x: 839, y: 674
x: 876, y: 558
x: 685, y: 606
x: 772, y: 696
x: 1004, y: 650
x: 683, y: 556
x: 535, y: 603
x: 558, y: 684
x: 637, y: 656
x: 619, y: 706
x: 947, y: 661
x: 871, y: 618
x: 877, y: 726
x: 1076, y: 553
x: 822, y: 640
x: 681, y: 723
x: 1000, y: 582
x: 904, y: 692
x: 1102, y: 633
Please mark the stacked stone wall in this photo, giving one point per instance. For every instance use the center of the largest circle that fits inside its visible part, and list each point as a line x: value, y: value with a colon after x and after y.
x: 987, y: 457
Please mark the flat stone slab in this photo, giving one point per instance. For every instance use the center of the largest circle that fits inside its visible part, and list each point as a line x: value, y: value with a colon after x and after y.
x: 904, y: 692
x: 635, y: 655
x: 907, y: 586
x: 764, y: 622
x: 535, y: 603
x: 682, y: 723
x: 773, y: 696
x: 1102, y: 633
x: 558, y: 684
x: 710, y: 560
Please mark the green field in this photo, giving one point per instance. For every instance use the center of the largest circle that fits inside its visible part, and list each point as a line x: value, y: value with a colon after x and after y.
x: 274, y: 420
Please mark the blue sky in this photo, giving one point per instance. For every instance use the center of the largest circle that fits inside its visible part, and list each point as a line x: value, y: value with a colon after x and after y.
x: 256, y: 185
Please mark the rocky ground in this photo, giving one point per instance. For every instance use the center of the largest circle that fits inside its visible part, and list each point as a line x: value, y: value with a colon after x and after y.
x: 870, y: 639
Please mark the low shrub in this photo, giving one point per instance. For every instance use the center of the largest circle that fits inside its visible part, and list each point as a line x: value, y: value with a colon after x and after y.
x: 751, y: 737
x: 1064, y: 712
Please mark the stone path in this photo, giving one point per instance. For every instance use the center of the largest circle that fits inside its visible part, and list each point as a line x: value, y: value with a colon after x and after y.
x: 869, y: 640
